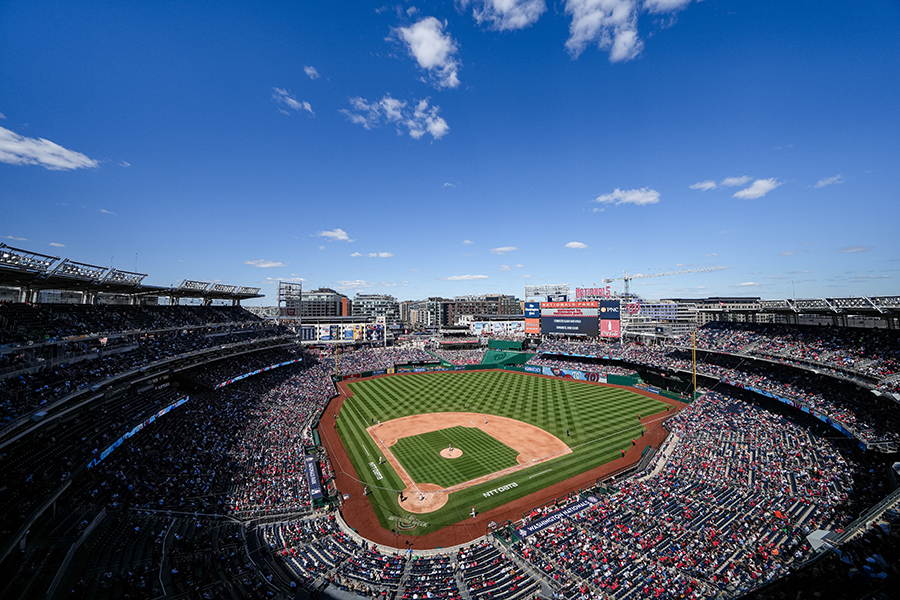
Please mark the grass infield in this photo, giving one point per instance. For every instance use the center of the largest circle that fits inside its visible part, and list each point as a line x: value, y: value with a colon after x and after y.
x: 421, y: 456
x: 600, y: 421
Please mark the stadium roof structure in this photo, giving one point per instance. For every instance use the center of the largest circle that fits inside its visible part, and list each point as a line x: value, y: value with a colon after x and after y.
x: 34, y: 271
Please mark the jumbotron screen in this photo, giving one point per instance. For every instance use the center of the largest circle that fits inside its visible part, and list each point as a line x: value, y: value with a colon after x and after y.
x: 569, y: 318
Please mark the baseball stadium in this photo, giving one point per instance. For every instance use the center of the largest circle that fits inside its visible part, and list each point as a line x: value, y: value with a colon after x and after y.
x: 193, y: 448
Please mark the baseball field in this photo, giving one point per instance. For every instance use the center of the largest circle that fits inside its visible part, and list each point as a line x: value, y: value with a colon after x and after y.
x: 433, y: 446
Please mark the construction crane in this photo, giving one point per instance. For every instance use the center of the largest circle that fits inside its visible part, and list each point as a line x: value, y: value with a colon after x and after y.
x: 627, y: 278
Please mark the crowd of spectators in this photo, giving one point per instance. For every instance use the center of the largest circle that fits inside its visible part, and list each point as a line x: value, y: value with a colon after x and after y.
x: 729, y: 510
x: 461, y: 357
x: 375, y: 358
x: 870, y: 418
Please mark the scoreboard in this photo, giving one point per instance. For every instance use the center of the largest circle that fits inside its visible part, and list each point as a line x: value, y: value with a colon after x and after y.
x: 590, y: 318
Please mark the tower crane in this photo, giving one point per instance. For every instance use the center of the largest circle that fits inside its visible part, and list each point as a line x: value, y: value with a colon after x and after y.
x: 627, y: 278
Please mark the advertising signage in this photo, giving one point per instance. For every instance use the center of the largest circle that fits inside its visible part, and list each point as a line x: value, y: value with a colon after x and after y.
x: 569, y: 325
x: 609, y: 309
x: 532, y: 310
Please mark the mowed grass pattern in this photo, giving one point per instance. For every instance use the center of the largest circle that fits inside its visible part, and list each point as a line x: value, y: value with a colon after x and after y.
x: 482, y: 454
x: 600, y: 421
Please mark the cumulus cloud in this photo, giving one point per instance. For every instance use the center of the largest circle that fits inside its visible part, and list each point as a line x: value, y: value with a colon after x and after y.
x: 464, y: 277
x: 124, y: 163
x: 746, y: 284
x: 505, y: 268
x: 503, y: 249
x: 735, y: 181
x: 610, y: 24
x: 664, y: 6
x: 641, y: 197
x: 468, y: 242
x: 704, y: 185
x: 839, y: 178
x: 758, y: 189
x: 418, y: 121
x: 711, y: 254
x: 275, y: 280
x: 506, y: 14
x: 18, y: 239
x: 57, y: 245
x: 576, y: 245
x: 448, y: 184
x: 265, y: 264
x: 434, y: 50
x: 335, y: 235
x: 353, y: 284
x: 380, y: 254
x: 20, y: 150
x: 106, y: 212
x: 853, y: 249
x: 283, y: 97
x: 311, y: 72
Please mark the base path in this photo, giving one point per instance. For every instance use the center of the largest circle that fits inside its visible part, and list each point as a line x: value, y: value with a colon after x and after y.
x: 533, y: 444
x: 360, y: 515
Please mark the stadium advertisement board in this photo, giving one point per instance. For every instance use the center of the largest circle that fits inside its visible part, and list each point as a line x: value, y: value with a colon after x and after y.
x: 572, y: 374
x: 569, y: 325
x: 554, y: 518
x: 609, y: 309
x: 593, y: 292
x: 532, y: 326
x: 569, y: 309
x: 532, y: 310
x: 610, y: 328
x: 312, y: 477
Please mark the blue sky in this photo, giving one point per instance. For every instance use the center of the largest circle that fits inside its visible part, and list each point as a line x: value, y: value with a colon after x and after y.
x: 449, y: 148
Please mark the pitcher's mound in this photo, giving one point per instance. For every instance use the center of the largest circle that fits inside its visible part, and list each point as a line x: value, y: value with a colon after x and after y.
x: 423, y: 498
x: 448, y: 453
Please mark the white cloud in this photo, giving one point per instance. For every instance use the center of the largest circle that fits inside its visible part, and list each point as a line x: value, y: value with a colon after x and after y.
x: 611, y: 24
x: 506, y: 14
x: 283, y: 97
x: 2, y: 116
x: 380, y: 254
x: 356, y: 254
x: 711, y: 254
x: 311, y: 72
x: 704, y: 185
x: 503, y: 249
x: 839, y: 178
x: 853, y: 249
x: 19, y: 150
x: 335, y: 235
x: 735, y: 181
x: 18, y: 239
x: 433, y: 50
x: 448, y: 184
x: 418, y: 121
x: 464, y: 277
x: 321, y: 247
x: 758, y: 189
x: 123, y: 163
x: 275, y: 280
x: 746, y: 284
x: 353, y: 284
x: 505, y: 268
x: 265, y: 264
x: 468, y: 242
x: 576, y: 245
x: 663, y: 6
x: 520, y: 266
x: 641, y: 197
x: 787, y: 253
x: 106, y: 212
x: 57, y: 245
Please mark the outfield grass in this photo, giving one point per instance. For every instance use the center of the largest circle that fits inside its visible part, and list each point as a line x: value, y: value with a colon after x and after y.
x: 600, y: 420
x: 421, y: 456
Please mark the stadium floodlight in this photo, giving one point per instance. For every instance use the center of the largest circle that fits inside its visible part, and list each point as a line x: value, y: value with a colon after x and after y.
x: 124, y: 277
x: 193, y: 286
x: 248, y: 291
x: 25, y: 259
x: 223, y: 289
x: 76, y: 270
